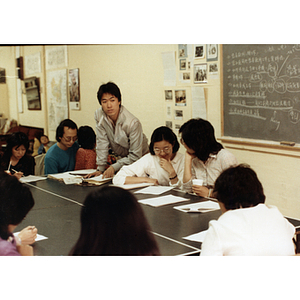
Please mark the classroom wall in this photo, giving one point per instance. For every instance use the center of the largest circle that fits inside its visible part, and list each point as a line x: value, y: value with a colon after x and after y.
x: 138, y: 71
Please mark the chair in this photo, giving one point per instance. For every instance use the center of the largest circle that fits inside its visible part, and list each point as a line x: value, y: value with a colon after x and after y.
x: 39, y: 168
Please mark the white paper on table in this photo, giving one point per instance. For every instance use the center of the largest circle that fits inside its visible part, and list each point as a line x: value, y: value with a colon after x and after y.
x: 163, y: 200
x: 39, y: 237
x: 199, y: 207
x: 196, y: 237
x: 82, y: 172
x: 134, y: 185
x: 72, y: 180
x: 155, y: 190
x: 31, y: 178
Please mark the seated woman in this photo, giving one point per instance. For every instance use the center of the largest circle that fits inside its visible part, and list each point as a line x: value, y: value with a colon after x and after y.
x: 247, y: 226
x: 15, y: 202
x: 163, y: 165
x: 86, y: 154
x: 15, y: 159
x: 205, y: 158
x: 113, y: 223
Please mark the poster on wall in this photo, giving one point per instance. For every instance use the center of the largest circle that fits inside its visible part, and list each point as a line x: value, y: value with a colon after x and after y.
x: 32, y: 64
x: 57, y: 98
x: 74, y: 89
x: 56, y: 58
x: 199, y: 51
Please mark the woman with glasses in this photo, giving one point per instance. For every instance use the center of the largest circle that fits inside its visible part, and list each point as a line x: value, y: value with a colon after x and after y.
x: 162, y: 166
x: 15, y: 160
x: 61, y: 156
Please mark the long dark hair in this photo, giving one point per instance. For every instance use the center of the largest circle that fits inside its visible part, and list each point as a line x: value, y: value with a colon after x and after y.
x: 86, y: 137
x: 15, y: 202
x: 113, y: 223
x: 164, y: 133
x: 239, y: 187
x: 199, y: 135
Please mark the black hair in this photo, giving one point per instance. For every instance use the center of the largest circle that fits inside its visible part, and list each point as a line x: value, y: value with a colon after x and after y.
x: 60, y: 128
x: 239, y: 187
x: 16, y: 139
x: 164, y: 133
x: 86, y: 137
x: 109, y: 88
x: 113, y: 223
x: 199, y: 135
x: 15, y: 202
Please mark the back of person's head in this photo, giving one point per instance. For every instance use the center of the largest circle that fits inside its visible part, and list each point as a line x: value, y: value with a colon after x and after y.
x: 163, y: 133
x: 16, y: 139
x: 86, y: 137
x: 199, y: 135
x: 15, y: 202
x: 109, y: 88
x: 239, y: 187
x: 113, y: 223
x: 60, y: 128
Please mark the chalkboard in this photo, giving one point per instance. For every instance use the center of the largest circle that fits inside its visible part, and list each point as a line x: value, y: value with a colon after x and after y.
x: 261, y: 92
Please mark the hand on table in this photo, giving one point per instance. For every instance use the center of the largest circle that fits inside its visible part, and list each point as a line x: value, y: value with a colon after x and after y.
x: 109, y: 172
x: 94, y: 174
x: 25, y: 250
x: 28, y: 235
x: 200, y: 190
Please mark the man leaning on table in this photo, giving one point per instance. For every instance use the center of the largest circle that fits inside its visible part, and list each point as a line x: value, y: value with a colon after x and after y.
x: 117, y: 130
x: 61, y: 156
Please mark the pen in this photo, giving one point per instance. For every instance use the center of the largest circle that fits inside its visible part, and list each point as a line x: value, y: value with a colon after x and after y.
x: 16, y: 171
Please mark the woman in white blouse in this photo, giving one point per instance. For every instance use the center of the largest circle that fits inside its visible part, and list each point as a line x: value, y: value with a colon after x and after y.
x: 162, y: 166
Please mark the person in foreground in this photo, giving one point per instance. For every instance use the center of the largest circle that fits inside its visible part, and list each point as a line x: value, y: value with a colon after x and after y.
x: 61, y: 156
x: 118, y: 131
x: 113, y: 223
x: 205, y: 158
x: 15, y: 160
x: 86, y: 154
x: 247, y: 225
x: 163, y: 165
x: 15, y: 202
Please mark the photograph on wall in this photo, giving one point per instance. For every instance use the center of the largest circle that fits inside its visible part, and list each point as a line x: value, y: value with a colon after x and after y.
x: 182, y: 63
x: 180, y: 97
x: 169, y: 124
x: 200, y: 73
x: 168, y: 95
x: 169, y: 111
x: 74, y: 89
x: 178, y: 114
x: 212, y: 52
x: 182, y: 50
x: 2, y: 75
x: 185, y: 77
x: 177, y: 127
x: 199, y: 51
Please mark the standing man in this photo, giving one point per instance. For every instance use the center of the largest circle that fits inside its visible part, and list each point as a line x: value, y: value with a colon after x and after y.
x: 117, y: 129
x: 61, y: 156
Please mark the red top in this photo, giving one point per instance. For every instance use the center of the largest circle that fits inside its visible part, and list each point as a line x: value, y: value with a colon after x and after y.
x: 85, y: 159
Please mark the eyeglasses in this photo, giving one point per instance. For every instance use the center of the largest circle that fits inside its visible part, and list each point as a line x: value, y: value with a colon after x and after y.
x: 69, y: 139
x: 166, y: 150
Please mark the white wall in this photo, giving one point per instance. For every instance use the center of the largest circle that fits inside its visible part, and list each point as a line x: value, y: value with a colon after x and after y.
x: 138, y: 71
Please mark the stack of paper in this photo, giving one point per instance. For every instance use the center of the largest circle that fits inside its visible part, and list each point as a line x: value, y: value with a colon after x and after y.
x: 163, y: 200
x: 155, y: 190
x: 31, y: 178
x: 133, y: 186
x: 197, y: 237
x: 204, y: 206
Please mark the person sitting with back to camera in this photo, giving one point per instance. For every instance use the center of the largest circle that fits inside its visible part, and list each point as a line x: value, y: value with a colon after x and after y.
x: 118, y: 131
x: 205, y: 158
x: 163, y: 165
x: 113, y: 223
x: 15, y: 202
x: 247, y: 225
x: 62, y: 155
x: 86, y: 154
x: 15, y: 159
